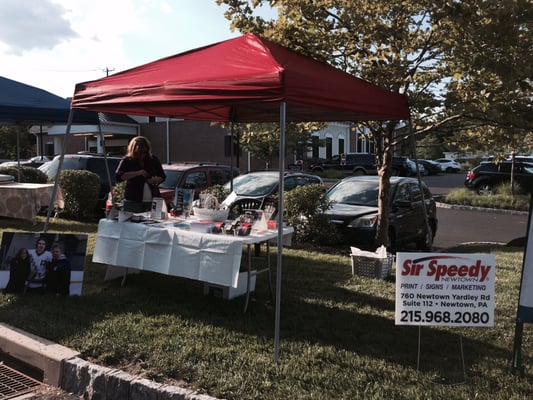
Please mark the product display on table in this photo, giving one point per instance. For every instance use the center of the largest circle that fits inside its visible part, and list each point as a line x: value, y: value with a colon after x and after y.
x: 173, y: 247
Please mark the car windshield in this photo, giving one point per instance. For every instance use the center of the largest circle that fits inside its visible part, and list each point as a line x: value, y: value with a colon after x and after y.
x: 50, y: 167
x: 254, y: 185
x: 171, y: 180
x: 528, y: 168
x: 357, y: 193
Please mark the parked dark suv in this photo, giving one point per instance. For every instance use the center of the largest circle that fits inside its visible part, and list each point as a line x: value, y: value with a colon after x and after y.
x: 353, y: 163
x: 361, y: 164
x: 89, y: 162
x: 193, y: 176
x: 487, y: 175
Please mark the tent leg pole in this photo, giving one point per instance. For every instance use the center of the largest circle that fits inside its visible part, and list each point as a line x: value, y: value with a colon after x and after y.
x: 517, y: 368
x: 58, y: 174
x: 280, y: 227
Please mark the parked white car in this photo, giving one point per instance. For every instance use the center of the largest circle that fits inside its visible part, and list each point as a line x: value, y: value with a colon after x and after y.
x: 448, y: 165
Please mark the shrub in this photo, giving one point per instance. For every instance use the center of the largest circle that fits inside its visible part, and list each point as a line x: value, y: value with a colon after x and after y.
x: 507, y: 190
x: 499, y: 199
x: 80, y: 191
x: 27, y: 174
x: 304, y: 211
x: 34, y: 175
x: 219, y: 191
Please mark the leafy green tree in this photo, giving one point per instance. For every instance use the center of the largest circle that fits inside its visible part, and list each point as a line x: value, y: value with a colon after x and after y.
x: 491, y: 83
x: 262, y: 139
x: 8, y: 142
x: 491, y: 63
x: 410, y: 47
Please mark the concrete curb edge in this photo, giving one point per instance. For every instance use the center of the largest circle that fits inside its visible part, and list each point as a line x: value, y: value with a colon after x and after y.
x: 63, y: 368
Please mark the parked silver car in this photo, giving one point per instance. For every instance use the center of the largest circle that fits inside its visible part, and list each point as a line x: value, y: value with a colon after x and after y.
x: 254, y: 189
x: 448, y: 165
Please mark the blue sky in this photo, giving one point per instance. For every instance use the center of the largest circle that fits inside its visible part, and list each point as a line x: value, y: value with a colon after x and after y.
x: 54, y: 44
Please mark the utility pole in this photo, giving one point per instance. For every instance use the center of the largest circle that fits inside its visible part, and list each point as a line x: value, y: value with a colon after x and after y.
x: 107, y: 70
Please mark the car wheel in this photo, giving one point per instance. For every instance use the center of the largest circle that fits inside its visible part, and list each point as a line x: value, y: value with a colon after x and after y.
x: 484, y: 189
x: 358, y: 172
x: 450, y: 169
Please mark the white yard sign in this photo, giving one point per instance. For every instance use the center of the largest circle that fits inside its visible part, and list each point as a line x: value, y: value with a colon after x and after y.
x: 445, y: 289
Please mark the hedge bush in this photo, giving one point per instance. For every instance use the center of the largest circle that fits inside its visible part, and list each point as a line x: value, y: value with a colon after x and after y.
x: 27, y: 174
x: 80, y: 191
x: 304, y: 211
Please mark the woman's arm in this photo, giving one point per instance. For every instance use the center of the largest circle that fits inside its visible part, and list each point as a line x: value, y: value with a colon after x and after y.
x: 128, y: 169
x: 132, y: 174
x: 158, y: 173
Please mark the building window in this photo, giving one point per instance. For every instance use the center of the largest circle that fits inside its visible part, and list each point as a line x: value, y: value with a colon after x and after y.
x: 342, y: 150
x: 329, y: 147
x: 315, y: 145
x: 49, y: 149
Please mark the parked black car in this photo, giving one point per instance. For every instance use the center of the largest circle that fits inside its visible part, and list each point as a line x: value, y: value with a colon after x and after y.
x: 401, y: 166
x: 355, y: 212
x: 89, y: 162
x: 432, y: 167
x: 484, y: 177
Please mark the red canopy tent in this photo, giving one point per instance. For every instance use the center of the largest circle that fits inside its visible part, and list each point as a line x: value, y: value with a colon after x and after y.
x: 242, y: 79
x: 247, y: 79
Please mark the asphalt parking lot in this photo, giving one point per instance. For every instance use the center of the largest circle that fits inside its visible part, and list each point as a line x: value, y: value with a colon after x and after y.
x: 466, y: 225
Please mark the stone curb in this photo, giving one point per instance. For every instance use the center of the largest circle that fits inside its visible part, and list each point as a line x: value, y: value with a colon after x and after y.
x: 92, y: 381
x: 63, y: 368
x: 481, y: 209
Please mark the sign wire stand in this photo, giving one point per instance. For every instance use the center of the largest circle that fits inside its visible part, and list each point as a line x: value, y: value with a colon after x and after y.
x: 443, y: 380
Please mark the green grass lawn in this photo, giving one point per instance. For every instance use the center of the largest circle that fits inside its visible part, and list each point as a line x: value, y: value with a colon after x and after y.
x: 338, y: 339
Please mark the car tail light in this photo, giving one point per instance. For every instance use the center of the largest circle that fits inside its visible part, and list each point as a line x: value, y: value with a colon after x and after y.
x: 470, y: 175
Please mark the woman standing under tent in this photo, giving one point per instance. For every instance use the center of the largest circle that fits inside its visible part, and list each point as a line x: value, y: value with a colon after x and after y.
x: 142, y: 172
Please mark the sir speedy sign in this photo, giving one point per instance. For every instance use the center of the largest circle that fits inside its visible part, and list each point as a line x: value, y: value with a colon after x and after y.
x: 445, y: 289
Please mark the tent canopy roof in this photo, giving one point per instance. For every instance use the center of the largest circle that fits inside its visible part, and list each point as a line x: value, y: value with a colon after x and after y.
x: 21, y: 103
x: 24, y: 104
x: 242, y: 79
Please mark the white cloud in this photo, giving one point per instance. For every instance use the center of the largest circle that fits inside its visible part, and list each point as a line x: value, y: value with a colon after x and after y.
x: 54, y: 44
x: 27, y: 25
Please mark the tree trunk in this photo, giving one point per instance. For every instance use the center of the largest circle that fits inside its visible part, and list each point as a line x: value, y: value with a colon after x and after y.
x: 384, y: 160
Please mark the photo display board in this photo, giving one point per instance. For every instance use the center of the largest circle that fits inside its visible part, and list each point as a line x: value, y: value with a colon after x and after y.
x: 442, y: 289
x: 67, y: 272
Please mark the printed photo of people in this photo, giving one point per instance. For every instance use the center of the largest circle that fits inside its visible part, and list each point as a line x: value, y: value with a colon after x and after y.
x: 42, y: 263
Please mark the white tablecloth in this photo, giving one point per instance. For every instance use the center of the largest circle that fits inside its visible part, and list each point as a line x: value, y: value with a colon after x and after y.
x: 213, y: 258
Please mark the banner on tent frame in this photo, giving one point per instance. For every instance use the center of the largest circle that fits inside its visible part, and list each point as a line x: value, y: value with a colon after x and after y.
x: 525, y: 304
x: 442, y: 289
